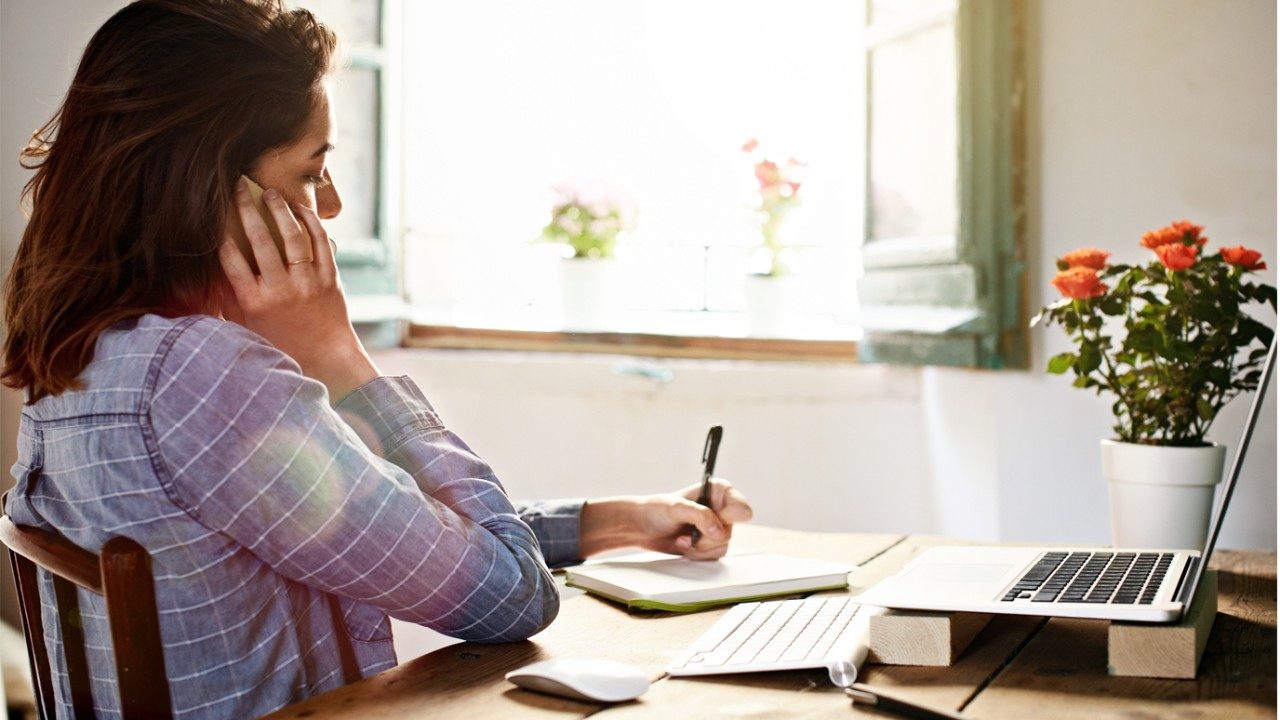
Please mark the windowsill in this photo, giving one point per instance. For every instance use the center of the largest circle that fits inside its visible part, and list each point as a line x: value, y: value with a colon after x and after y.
x: 655, y: 334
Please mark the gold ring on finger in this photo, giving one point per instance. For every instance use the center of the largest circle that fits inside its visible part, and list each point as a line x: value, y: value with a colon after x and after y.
x: 299, y: 262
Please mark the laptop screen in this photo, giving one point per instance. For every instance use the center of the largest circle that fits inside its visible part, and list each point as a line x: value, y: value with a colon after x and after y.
x: 1189, y: 589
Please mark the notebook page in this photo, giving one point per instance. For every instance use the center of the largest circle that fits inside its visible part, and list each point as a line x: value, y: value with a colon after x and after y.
x: 649, y: 578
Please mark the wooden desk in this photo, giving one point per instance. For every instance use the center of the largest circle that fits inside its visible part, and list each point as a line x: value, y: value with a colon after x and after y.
x: 1018, y: 667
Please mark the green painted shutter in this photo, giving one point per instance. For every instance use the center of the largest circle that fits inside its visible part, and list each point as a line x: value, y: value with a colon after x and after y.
x: 953, y: 295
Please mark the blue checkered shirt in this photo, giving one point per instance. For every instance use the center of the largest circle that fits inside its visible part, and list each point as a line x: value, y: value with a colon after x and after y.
x: 258, y: 502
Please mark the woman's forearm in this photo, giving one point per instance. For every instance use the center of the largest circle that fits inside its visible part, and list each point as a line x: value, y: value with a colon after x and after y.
x: 609, y: 524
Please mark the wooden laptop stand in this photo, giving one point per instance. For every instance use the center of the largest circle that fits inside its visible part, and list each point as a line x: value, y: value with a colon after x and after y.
x: 936, y: 639
x: 1165, y: 651
x: 914, y: 637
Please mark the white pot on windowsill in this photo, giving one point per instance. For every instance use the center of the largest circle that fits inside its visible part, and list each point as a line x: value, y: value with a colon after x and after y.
x: 588, y: 292
x: 772, y: 304
x: 1161, y: 497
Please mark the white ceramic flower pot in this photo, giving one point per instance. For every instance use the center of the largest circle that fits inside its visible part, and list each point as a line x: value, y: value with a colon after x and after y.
x: 1161, y: 497
x: 588, y: 292
x: 772, y: 303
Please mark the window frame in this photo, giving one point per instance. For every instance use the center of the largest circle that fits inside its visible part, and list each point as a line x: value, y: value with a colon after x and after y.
x: 960, y: 299
x: 372, y: 268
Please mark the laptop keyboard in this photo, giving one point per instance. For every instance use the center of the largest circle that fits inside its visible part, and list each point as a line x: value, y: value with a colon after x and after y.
x: 1122, y: 578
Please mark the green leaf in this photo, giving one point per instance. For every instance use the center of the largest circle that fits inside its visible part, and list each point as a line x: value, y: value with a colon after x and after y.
x: 1143, y: 339
x: 1061, y: 363
x: 1266, y: 293
x: 1090, y: 359
x: 1112, y: 305
x: 1205, y: 408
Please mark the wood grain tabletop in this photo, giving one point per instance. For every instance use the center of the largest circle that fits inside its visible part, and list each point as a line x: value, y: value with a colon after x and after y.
x: 1018, y: 667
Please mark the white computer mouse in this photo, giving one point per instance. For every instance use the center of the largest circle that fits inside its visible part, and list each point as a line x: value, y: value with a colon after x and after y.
x: 589, y: 680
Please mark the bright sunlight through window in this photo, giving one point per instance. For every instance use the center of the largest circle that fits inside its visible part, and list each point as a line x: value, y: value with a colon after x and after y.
x: 642, y: 106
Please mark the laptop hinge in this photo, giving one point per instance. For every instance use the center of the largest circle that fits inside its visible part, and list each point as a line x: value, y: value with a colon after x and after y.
x: 1188, y: 572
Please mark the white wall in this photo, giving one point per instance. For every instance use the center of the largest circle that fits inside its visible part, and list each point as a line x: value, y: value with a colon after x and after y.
x: 816, y: 446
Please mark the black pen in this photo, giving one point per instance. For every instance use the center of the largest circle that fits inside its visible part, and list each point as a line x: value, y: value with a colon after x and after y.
x: 709, y: 450
x: 863, y: 694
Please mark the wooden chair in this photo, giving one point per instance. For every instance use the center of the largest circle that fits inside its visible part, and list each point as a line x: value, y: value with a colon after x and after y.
x: 122, y: 575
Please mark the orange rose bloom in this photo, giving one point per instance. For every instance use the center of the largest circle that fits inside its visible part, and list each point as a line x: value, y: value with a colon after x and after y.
x: 1079, y: 283
x: 1159, y: 238
x: 1177, y: 256
x: 1190, y: 232
x: 1086, y: 257
x: 1244, y: 257
x: 1180, y: 231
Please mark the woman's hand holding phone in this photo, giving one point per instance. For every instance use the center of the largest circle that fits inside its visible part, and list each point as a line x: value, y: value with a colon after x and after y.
x: 296, y: 301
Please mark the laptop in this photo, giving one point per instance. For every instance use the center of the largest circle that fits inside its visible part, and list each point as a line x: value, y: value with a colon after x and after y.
x: 1136, y: 585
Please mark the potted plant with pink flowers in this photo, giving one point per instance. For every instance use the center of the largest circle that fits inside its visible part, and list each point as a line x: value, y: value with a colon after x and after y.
x: 587, y: 222
x: 1172, y: 342
x: 771, y: 292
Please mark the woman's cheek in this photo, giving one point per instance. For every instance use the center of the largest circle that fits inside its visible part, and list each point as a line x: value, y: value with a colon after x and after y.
x: 304, y: 196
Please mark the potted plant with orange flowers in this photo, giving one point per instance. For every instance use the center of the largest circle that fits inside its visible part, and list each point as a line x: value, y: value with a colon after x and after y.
x: 1172, y: 342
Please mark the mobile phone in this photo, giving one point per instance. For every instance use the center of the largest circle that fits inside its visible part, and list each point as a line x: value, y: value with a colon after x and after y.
x: 242, y: 238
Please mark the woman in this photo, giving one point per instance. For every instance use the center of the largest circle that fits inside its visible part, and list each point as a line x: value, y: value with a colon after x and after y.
x: 230, y: 421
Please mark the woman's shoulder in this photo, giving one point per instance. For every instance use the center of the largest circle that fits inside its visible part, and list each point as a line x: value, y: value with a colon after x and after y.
x: 198, y: 353
x: 156, y: 340
x: 209, y: 373
x: 198, y: 348
x: 135, y: 357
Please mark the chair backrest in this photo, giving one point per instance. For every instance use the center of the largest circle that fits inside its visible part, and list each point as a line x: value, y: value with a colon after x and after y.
x: 122, y: 575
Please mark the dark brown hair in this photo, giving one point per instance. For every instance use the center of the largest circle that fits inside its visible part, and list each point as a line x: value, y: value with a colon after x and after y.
x: 134, y: 174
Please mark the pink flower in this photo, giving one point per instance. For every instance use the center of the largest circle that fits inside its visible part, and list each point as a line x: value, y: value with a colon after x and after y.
x: 750, y: 145
x: 767, y: 173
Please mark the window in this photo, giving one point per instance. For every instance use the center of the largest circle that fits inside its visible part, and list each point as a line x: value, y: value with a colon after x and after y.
x: 905, y: 113
x: 646, y: 102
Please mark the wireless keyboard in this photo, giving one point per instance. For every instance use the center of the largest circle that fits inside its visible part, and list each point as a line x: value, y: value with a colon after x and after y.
x: 828, y: 631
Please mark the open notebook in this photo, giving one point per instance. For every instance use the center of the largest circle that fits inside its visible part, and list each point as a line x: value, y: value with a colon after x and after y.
x: 653, y: 582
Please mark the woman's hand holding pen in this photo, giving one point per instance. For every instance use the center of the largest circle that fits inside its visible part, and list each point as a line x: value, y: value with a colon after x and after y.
x: 297, y: 304
x: 661, y: 522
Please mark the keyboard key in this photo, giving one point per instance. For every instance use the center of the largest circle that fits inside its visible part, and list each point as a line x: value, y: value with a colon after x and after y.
x: 724, y: 627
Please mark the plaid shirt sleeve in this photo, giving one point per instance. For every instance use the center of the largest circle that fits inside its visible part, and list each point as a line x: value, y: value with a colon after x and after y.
x: 387, y: 508
x: 557, y: 524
